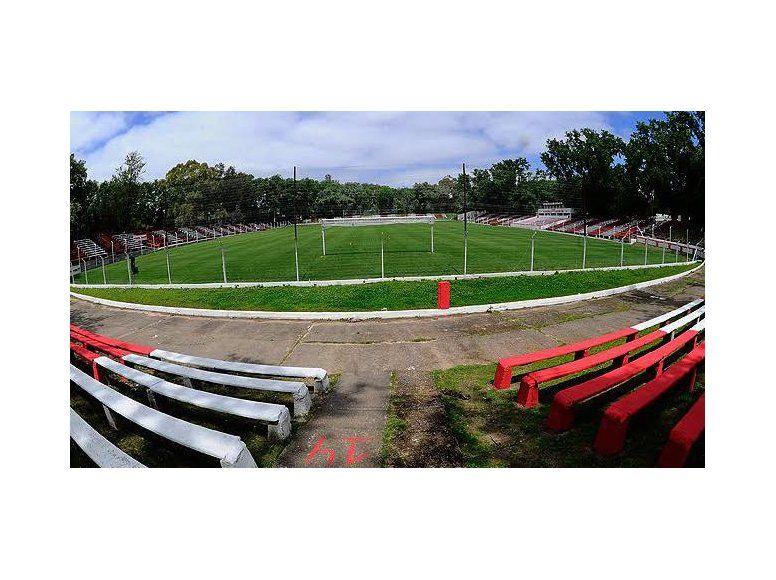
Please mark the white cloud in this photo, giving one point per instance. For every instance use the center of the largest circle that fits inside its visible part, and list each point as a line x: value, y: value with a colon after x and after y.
x: 389, y: 147
x: 88, y: 129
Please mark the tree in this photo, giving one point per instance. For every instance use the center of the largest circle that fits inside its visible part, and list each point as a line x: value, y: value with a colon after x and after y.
x: 591, y: 162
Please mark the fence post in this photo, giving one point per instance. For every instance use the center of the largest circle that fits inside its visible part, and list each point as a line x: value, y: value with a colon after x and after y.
x: 622, y: 251
x: 432, y: 237
x: 104, y: 277
x: 676, y: 257
x: 72, y: 276
x: 584, y: 251
x: 645, y: 250
x: 167, y: 257
x: 86, y: 274
x: 382, y: 257
x: 223, y: 263
x: 129, y: 270
x: 532, y: 251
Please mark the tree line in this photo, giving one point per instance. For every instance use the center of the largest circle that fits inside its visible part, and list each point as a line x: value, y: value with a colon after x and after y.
x: 659, y: 169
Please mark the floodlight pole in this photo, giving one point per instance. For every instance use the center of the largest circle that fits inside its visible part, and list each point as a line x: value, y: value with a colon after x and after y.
x: 72, y: 276
x: 296, y: 236
x: 584, y: 249
x: 86, y: 274
x: 645, y: 250
x: 323, y: 238
x: 104, y: 278
x: 532, y: 251
x: 687, y: 244
x: 584, y: 229
x: 382, y: 256
x: 129, y: 270
x: 223, y: 263
x: 465, y: 223
x: 432, y: 237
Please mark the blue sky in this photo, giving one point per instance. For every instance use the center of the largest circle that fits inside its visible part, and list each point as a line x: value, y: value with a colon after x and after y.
x: 395, y: 148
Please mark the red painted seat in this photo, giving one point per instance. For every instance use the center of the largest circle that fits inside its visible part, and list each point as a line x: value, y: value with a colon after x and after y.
x: 580, y: 349
x: 96, y: 345
x: 561, y: 415
x: 528, y: 395
x: 610, y: 438
x: 113, y: 342
x: 684, y: 435
x: 87, y: 356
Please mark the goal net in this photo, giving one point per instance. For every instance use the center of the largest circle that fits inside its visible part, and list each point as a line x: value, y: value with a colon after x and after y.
x: 378, y: 221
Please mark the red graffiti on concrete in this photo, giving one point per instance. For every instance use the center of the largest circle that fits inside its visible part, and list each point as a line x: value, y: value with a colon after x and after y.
x: 351, y: 457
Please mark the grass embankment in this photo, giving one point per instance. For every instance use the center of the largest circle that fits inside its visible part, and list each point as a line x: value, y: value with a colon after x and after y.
x: 492, y: 431
x: 354, y: 252
x: 384, y: 295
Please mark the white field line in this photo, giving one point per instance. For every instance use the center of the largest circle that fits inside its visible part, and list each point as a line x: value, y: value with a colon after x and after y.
x: 418, y: 313
x: 354, y: 281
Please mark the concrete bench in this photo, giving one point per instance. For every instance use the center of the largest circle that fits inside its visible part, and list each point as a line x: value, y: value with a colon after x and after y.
x: 684, y: 435
x: 320, y: 377
x: 561, y: 417
x: 228, y: 449
x: 98, y: 448
x: 503, y: 377
x: 115, y: 343
x: 299, y: 391
x: 610, y: 438
x: 96, y: 345
x: 87, y: 356
x: 528, y: 394
x: 276, y: 417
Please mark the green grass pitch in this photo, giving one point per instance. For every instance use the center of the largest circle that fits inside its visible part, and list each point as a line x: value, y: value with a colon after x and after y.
x: 354, y: 252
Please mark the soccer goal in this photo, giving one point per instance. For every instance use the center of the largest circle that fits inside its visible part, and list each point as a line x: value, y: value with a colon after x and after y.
x: 376, y: 221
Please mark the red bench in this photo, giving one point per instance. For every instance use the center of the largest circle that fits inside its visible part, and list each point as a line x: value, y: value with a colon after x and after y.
x: 610, y: 438
x: 528, y: 395
x: 93, y: 344
x: 87, y: 356
x: 684, y: 435
x: 561, y: 416
x: 113, y: 342
x: 503, y: 377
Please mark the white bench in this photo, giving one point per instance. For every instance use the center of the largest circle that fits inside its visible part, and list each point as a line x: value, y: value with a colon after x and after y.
x: 228, y: 449
x: 301, y: 395
x: 276, y: 417
x: 317, y: 374
x: 98, y: 448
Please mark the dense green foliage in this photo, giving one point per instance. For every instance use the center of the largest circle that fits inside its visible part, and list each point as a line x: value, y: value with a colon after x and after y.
x: 660, y: 169
x: 384, y: 295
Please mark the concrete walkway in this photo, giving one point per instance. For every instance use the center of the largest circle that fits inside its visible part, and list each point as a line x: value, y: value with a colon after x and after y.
x: 351, y: 418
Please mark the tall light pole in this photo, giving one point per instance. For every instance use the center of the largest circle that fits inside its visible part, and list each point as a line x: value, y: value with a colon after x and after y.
x: 296, y: 235
x: 465, y: 222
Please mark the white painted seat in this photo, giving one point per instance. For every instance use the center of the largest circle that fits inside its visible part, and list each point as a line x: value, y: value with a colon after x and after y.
x: 317, y: 374
x: 228, y: 449
x: 98, y: 448
x: 276, y: 417
x: 301, y: 394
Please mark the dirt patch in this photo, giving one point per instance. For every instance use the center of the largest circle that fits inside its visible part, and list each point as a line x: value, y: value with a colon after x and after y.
x: 418, y: 434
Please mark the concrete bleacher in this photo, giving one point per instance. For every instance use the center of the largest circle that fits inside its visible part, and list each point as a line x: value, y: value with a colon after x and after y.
x: 96, y: 447
x: 275, y: 417
x: 87, y: 248
x: 229, y: 450
x: 301, y: 395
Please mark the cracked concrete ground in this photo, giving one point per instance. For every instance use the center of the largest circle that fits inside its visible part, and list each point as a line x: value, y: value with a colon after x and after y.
x: 365, y: 352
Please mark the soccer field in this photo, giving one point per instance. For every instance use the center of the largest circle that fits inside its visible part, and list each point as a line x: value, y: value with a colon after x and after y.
x: 355, y: 252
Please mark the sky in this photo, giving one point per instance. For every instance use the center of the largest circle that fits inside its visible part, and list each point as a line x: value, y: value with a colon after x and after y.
x: 392, y: 148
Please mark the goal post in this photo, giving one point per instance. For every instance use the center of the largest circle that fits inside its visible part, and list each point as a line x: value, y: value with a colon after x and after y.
x: 376, y: 221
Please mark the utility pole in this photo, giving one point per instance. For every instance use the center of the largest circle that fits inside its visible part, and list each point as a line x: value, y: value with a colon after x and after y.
x: 296, y: 235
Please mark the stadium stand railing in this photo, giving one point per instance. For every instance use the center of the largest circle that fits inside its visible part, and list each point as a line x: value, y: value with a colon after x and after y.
x: 616, y: 419
x: 504, y: 370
